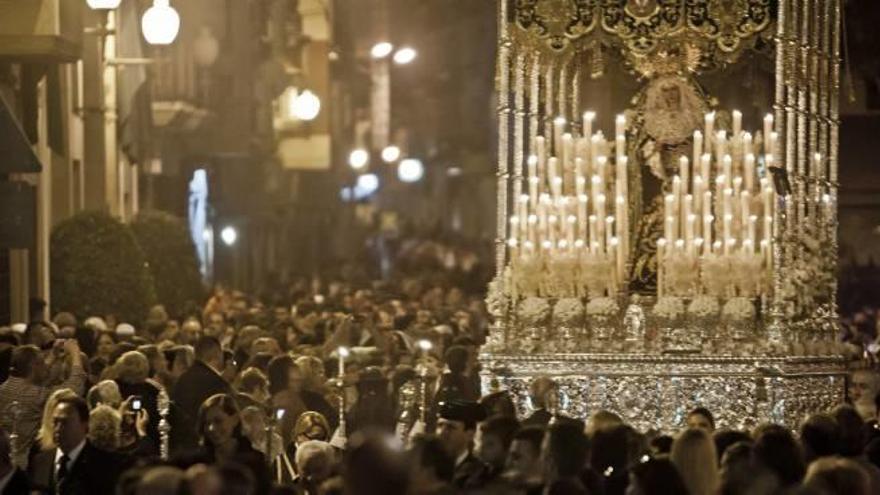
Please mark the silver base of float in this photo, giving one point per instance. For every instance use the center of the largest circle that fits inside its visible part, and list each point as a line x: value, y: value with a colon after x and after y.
x: 655, y: 392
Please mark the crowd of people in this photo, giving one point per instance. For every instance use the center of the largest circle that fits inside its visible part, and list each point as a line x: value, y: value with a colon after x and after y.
x: 337, y: 387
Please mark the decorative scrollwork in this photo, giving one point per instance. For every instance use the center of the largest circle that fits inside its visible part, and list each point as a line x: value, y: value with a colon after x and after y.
x: 721, y: 29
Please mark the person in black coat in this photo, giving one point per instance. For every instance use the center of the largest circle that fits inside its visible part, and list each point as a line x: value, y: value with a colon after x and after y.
x: 12, y: 480
x: 76, y: 466
x: 195, y: 385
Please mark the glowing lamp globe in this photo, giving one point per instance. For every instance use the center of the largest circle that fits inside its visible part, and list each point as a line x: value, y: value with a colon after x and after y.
x: 229, y: 235
x: 410, y: 170
x: 160, y: 23
x: 367, y: 184
x: 404, y: 56
x: 358, y: 158
x: 103, y: 4
x: 390, y: 154
x: 306, y: 106
x: 381, y: 50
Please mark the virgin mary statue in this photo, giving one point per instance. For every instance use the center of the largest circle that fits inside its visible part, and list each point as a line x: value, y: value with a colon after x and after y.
x: 668, y: 110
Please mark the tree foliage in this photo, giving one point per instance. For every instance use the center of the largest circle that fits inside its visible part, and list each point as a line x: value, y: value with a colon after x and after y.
x: 98, y: 268
x: 172, y: 259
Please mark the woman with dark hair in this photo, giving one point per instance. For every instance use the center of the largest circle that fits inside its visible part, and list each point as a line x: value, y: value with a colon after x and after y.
x: 285, y: 383
x: 223, y: 441
x: 655, y: 477
x: 776, y: 450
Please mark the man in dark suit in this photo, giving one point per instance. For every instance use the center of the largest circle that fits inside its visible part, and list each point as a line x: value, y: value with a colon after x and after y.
x: 12, y: 480
x: 76, y: 466
x: 455, y: 430
x: 200, y: 381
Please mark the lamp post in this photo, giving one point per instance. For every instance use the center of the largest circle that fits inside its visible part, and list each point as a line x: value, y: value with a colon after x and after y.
x: 160, y: 25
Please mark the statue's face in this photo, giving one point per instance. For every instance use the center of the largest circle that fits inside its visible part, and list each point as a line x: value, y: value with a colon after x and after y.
x: 672, y: 98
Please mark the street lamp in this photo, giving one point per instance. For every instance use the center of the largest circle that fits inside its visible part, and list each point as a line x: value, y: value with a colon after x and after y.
x: 381, y: 49
x: 404, y: 56
x: 229, y: 235
x: 390, y: 154
x: 366, y: 185
x: 305, y: 106
x: 358, y: 158
x: 103, y: 4
x: 160, y: 23
x: 410, y: 170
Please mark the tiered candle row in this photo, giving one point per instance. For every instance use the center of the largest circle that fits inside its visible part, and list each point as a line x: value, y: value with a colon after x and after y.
x: 572, y: 197
x: 719, y: 203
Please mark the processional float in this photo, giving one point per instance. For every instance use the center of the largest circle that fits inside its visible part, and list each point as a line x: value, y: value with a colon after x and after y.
x: 688, y: 256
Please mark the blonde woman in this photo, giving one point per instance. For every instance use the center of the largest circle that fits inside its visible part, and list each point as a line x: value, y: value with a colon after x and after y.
x: 132, y: 377
x: 310, y: 425
x: 693, y: 454
x: 104, y: 427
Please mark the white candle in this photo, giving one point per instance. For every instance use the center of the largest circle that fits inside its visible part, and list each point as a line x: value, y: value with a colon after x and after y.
x: 541, y: 153
x: 661, y: 261
x: 668, y: 212
x: 705, y: 172
x: 709, y: 130
x: 567, y: 159
x: 753, y: 227
x: 749, y: 172
x: 619, y: 125
x: 689, y: 234
x: 583, y: 201
x: 342, y: 352
x: 600, y: 220
x: 684, y: 171
x: 721, y: 144
x: 594, y: 233
x: 532, y: 225
x: 727, y: 166
x: 737, y: 123
x: 727, y: 231
x: 745, y: 205
x: 707, y: 232
x: 588, y: 123
x: 579, y: 168
x: 558, y: 130
x: 698, y: 147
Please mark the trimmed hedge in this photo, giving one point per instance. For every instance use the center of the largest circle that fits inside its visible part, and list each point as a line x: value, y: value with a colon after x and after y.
x: 97, y: 268
x: 172, y: 259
